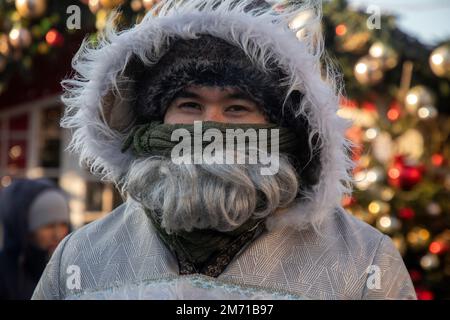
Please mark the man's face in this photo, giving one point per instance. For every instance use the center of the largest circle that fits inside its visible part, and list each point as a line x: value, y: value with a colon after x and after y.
x: 200, y: 103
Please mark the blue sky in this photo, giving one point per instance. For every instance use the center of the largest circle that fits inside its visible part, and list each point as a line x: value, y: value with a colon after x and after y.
x: 428, y: 20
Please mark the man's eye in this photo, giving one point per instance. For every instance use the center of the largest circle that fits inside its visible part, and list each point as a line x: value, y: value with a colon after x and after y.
x: 237, y: 108
x: 190, y: 106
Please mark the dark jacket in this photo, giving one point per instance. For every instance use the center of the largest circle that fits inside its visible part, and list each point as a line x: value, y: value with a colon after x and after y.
x: 21, y: 263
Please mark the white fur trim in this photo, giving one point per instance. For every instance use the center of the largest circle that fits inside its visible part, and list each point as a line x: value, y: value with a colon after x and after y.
x: 261, y: 35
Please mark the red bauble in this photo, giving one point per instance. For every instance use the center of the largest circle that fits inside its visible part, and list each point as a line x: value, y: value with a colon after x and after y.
x: 437, y: 159
x: 54, y: 38
x: 406, y: 213
x: 405, y: 176
x: 423, y: 294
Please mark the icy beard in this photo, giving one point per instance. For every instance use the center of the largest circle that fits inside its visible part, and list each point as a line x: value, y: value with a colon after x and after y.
x: 209, y: 196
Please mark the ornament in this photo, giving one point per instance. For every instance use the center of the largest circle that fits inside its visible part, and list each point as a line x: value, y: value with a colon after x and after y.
x: 438, y: 247
x: 31, y: 8
x: 368, y: 71
x: 387, y: 193
x: 5, y: 47
x: 379, y: 207
x: 54, y: 38
x: 136, y: 5
x: 20, y: 38
x: 410, y: 144
x: 424, y: 294
x: 405, y: 176
x: 385, y: 54
x: 427, y: 112
x: 417, y: 97
x: 394, y: 112
x: 434, y: 209
x: 383, y: 147
x: 371, y: 134
x: 341, y: 30
x: 365, y: 178
x: 388, y: 224
x: 94, y: 6
x: 406, y: 213
x: 429, y: 261
x: 437, y: 159
x: 111, y: 4
x: 354, y: 43
x: 440, y: 61
x: 418, y: 238
x: 101, y: 19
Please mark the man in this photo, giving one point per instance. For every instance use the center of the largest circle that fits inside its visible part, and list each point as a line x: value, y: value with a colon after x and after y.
x: 35, y: 218
x: 191, y: 74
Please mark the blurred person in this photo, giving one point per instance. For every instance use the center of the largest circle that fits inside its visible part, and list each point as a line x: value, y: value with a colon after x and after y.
x: 35, y: 218
x: 217, y: 231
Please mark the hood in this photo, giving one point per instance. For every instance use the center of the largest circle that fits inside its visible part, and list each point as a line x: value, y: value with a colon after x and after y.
x: 99, y: 96
x: 15, y: 201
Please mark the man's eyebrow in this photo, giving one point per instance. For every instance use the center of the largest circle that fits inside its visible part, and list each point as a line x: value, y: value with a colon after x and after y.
x: 186, y: 94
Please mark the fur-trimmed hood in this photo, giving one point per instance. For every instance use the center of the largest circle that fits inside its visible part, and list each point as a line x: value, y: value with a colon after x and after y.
x: 98, y: 97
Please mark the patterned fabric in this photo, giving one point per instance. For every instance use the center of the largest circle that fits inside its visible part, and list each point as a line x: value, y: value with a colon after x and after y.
x: 206, y: 252
x: 120, y: 252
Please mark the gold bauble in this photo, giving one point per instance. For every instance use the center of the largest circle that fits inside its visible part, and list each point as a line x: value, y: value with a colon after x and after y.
x: 355, y: 43
x: 101, y: 18
x: 368, y: 71
x: 418, y: 238
x: 429, y: 261
x: 427, y: 112
x: 20, y: 38
x: 31, y: 8
x: 5, y: 47
x: 440, y: 61
x: 111, y: 4
x: 94, y: 6
x: 136, y: 5
x: 418, y: 97
x: 388, y: 224
x: 385, y: 54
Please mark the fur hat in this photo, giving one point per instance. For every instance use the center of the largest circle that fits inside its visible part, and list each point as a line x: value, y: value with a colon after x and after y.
x: 211, y: 61
x: 105, y: 97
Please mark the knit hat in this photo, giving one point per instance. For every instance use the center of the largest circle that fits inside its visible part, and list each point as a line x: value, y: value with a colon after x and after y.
x: 49, y: 207
x: 206, y: 61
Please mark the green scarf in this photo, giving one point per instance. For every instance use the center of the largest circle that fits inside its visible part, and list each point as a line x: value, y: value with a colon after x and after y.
x: 154, y: 138
x: 201, y: 251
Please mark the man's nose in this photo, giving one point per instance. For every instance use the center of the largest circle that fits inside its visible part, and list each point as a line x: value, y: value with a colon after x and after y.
x: 213, y: 113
